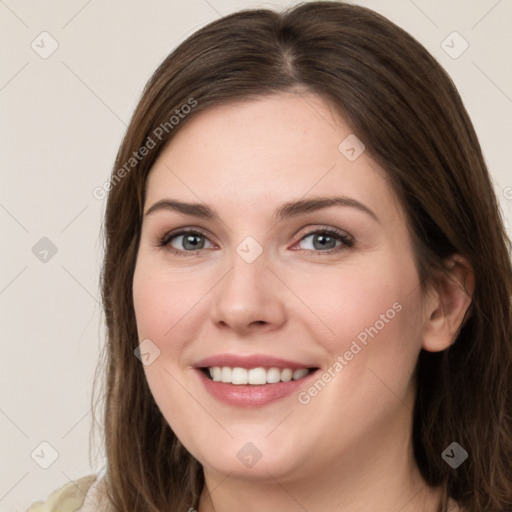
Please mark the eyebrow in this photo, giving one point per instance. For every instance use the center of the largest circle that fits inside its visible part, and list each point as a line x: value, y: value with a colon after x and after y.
x: 287, y: 210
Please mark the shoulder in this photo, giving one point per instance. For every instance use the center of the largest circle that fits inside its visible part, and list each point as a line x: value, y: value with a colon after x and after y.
x: 68, y: 498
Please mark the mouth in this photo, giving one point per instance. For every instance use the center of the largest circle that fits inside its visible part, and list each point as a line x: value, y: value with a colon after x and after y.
x: 259, y: 376
x: 252, y: 380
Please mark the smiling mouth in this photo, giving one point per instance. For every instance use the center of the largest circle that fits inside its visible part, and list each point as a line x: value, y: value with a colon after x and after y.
x: 255, y: 376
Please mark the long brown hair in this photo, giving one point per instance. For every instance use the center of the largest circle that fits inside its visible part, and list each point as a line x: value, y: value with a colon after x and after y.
x: 402, y: 104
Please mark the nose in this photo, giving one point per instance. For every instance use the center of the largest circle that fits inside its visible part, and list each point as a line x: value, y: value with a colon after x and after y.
x: 249, y: 298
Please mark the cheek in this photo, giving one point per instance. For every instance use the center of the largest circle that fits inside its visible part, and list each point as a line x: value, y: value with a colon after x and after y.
x: 374, y: 314
x: 370, y: 314
x: 164, y: 306
x: 164, y: 303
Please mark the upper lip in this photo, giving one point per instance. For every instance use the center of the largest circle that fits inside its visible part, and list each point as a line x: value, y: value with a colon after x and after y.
x: 249, y: 361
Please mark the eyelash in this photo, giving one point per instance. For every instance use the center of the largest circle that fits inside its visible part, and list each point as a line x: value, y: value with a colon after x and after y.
x: 346, y: 241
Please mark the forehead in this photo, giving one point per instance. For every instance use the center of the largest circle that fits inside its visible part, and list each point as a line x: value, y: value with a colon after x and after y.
x: 268, y: 150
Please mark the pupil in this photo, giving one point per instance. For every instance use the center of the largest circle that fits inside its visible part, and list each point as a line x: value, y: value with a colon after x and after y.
x: 190, y: 242
x: 323, y: 240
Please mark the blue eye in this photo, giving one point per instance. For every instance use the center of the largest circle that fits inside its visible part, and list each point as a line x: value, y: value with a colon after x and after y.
x: 326, y: 240
x: 185, y: 241
x: 190, y: 242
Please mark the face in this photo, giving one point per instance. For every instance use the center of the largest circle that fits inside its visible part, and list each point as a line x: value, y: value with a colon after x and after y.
x: 283, y: 328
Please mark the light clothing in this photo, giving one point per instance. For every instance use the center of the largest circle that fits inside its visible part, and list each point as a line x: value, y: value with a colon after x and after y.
x: 85, y: 495
x: 79, y: 496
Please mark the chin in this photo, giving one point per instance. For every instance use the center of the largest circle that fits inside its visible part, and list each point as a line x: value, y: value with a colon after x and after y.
x: 251, y: 458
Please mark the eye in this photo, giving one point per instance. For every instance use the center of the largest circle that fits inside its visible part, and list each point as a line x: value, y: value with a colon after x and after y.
x: 185, y: 241
x: 325, y: 240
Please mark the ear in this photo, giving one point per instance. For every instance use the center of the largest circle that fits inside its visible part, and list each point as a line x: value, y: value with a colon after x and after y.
x: 447, y: 305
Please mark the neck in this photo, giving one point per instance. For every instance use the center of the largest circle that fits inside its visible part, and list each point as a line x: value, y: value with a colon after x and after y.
x: 373, y: 474
x: 403, y: 490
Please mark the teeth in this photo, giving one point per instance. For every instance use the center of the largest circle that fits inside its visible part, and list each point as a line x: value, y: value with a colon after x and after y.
x: 216, y: 373
x: 239, y: 376
x: 225, y: 375
x: 255, y: 376
x: 286, y: 375
x: 301, y: 372
x: 273, y: 375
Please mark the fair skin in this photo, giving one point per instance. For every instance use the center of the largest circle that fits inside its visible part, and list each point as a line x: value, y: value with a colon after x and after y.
x: 349, y: 446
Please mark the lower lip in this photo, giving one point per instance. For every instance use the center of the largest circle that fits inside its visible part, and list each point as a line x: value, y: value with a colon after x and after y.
x: 246, y: 395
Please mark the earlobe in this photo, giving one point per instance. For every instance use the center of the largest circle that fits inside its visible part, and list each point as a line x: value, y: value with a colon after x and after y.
x: 448, y: 305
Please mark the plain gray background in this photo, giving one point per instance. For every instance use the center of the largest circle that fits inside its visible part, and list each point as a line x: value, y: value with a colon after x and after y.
x: 63, y: 116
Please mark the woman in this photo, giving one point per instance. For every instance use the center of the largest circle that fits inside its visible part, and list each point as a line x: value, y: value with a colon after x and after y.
x: 306, y: 282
